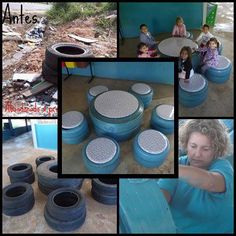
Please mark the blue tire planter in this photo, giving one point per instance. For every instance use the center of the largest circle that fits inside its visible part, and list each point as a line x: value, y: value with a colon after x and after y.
x: 151, y: 148
x: 221, y: 73
x: 95, y: 91
x: 162, y: 118
x: 195, y: 92
x: 196, y: 60
x: 101, y: 155
x: 142, y: 91
x: 117, y: 114
x: 77, y: 134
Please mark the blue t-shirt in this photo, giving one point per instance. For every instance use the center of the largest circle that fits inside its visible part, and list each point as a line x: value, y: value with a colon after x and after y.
x: 199, y: 211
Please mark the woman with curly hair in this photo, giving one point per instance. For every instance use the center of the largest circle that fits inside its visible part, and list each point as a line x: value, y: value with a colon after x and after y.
x: 201, y: 199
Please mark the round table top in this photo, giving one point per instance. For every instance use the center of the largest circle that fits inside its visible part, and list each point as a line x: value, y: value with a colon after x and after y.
x: 223, y: 62
x: 141, y: 88
x: 101, y: 150
x: 152, y: 141
x: 172, y: 46
x: 72, y: 119
x: 196, y: 83
x: 116, y: 104
x: 165, y: 111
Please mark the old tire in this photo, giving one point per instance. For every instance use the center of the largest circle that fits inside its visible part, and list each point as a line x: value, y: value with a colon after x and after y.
x: 64, y: 50
x: 41, y: 159
x: 48, y: 180
x: 20, y: 170
x: 65, y: 209
x: 49, y: 74
x: 18, y: 198
x: 105, y: 190
x: 28, y: 179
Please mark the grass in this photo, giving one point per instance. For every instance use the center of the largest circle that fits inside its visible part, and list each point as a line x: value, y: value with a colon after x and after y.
x: 62, y: 12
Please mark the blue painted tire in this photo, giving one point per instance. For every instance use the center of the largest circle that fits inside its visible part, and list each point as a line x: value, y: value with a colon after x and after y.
x: 76, y: 135
x: 145, y: 98
x: 192, y: 99
x: 138, y: 200
x: 118, y: 128
x: 160, y: 124
x: 147, y: 159
x: 92, y: 94
x: 229, y: 123
x: 219, y: 75
x: 196, y: 60
x: 104, y: 168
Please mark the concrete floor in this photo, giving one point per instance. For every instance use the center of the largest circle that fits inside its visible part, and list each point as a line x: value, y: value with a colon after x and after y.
x: 74, y: 98
x: 100, y: 218
x: 220, y: 101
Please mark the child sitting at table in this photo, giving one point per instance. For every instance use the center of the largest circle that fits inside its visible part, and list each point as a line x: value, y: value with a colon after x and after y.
x: 145, y: 52
x: 146, y: 37
x: 204, y: 36
x: 210, y: 58
x: 179, y: 29
x: 185, y: 64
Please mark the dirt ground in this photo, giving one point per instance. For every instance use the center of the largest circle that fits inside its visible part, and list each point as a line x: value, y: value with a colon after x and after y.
x: 105, y: 47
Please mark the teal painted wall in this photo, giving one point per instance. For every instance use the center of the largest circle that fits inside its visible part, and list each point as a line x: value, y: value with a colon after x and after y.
x: 46, y: 136
x: 155, y: 72
x: 159, y: 17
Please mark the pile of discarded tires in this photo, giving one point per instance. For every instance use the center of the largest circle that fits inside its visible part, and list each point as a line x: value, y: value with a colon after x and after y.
x: 57, y: 51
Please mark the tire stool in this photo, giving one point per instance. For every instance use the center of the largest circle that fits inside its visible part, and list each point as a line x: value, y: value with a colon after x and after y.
x: 143, y: 91
x: 74, y: 127
x: 101, y: 155
x: 162, y: 118
x: 117, y: 114
x: 221, y: 73
x: 151, y: 148
x: 95, y: 91
x: 194, y: 92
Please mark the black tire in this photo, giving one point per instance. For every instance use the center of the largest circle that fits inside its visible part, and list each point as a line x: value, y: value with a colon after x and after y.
x: 28, y: 179
x: 48, y: 180
x: 106, y: 186
x: 105, y: 199
x: 20, y: 170
x: 49, y: 74
x: 18, y: 198
x: 104, y: 190
x: 57, y: 50
x: 64, y: 226
x: 41, y: 159
x: 66, y: 204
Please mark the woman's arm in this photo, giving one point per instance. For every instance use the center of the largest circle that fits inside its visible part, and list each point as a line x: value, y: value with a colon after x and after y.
x: 203, y: 179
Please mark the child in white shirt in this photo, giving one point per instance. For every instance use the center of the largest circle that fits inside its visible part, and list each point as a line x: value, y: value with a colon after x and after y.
x: 204, y: 36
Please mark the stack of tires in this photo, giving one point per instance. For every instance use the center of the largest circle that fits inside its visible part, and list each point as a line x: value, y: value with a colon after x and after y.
x: 21, y: 172
x: 104, y: 190
x: 18, y: 198
x: 48, y: 180
x: 65, y: 209
x: 42, y: 159
x: 57, y: 51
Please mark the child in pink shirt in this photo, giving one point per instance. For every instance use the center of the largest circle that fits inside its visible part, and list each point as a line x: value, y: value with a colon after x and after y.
x: 145, y: 52
x: 179, y: 29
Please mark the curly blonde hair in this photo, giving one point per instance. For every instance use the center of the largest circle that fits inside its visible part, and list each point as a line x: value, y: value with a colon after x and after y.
x: 214, y: 129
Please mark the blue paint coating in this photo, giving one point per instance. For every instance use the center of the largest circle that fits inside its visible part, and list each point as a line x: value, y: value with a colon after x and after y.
x: 120, y: 129
x: 77, y: 134
x: 149, y: 160
x: 159, y: 17
x: 192, y: 99
x: 155, y: 72
x: 160, y: 124
x: 229, y: 124
x: 145, y: 98
x: 46, y: 136
x: 219, y: 76
x: 143, y: 208
x: 105, y: 168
